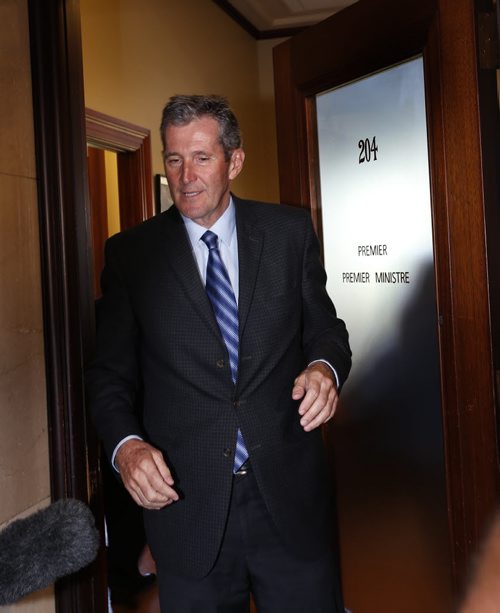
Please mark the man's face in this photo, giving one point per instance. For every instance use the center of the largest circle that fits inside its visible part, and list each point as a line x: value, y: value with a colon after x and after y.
x: 198, y: 175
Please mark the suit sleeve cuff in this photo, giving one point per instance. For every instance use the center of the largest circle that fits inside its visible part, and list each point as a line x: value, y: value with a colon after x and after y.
x: 331, y: 368
x: 124, y: 440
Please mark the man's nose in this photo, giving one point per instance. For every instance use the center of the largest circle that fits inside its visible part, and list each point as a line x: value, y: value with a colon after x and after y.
x: 188, y: 174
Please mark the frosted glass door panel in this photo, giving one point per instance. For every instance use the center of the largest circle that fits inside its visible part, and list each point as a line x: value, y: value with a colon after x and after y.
x: 387, y: 436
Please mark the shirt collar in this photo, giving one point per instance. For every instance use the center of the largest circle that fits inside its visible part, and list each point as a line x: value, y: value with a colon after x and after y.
x: 224, y: 227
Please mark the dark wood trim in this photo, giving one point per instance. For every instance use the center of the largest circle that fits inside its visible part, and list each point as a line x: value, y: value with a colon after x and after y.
x: 242, y: 21
x: 96, y: 165
x: 463, y: 288
x: 460, y: 261
x: 314, y: 185
x: 135, y: 187
x: 462, y: 169
x: 66, y: 272
x: 112, y: 133
x: 133, y: 146
x: 291, y: 164
x: 279, y: 33
x: 490, y: 144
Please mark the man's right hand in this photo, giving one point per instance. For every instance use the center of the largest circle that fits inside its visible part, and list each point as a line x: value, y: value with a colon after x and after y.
x: 145, y: 475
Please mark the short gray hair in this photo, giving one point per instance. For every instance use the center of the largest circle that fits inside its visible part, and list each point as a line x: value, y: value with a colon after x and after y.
x: 183, y: 109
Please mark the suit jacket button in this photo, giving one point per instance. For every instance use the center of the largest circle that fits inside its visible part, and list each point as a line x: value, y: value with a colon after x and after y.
x: 227, y: 452
x: 220, y: 363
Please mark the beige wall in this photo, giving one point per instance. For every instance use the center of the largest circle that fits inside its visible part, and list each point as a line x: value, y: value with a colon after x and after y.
x: 24, y: 467
x: 137, y: 54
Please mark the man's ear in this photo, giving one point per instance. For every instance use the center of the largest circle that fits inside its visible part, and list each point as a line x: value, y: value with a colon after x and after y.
x: 236, y: 163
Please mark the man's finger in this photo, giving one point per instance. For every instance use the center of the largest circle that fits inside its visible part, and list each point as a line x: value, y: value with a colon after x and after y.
x: 299, y: 387
x: 163, y: 468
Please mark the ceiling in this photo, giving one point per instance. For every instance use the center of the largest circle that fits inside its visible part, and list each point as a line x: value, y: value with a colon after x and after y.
x: 274, y: 18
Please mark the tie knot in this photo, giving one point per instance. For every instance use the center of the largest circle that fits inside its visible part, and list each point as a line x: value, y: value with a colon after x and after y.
x: 210, y: 239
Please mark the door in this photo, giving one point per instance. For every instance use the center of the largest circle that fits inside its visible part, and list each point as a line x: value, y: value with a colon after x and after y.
x: 394, y: 554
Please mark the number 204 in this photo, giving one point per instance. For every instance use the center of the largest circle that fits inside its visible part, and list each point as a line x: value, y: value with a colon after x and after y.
x: 368, y: 150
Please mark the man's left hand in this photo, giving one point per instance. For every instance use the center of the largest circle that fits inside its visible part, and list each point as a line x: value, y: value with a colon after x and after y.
x: 317, y: 387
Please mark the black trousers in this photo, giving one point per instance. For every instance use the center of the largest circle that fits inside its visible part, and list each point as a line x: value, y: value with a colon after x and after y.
x: 253, y: 560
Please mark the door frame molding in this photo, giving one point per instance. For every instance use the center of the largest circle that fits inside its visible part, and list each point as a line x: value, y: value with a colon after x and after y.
x: 67, y: 296
x: 132, y: 144
x: 445, y: 32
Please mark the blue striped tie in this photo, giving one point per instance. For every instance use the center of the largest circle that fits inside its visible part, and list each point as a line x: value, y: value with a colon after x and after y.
x: 220, y: 292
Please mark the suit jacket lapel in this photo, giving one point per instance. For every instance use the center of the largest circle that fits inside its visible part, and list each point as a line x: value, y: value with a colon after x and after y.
x: 178, y: 254
x: 250, y: 240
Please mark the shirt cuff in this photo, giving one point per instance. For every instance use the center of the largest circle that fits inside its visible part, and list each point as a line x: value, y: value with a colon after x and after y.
x: 332, y: 369
x: 124, y: 440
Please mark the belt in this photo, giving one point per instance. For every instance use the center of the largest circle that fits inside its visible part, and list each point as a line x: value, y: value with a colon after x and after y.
x: 243, y: 470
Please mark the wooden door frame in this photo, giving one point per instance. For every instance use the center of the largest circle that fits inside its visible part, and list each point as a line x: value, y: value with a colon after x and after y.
x: 67, y: 296
x: 445, y: 32
x: 60, y: 123
x: 132, y: 144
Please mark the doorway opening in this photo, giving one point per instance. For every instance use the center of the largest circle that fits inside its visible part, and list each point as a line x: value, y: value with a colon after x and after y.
x: 120, y: 189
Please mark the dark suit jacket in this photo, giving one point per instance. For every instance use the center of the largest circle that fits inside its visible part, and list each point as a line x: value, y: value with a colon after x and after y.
x: 158, y: 333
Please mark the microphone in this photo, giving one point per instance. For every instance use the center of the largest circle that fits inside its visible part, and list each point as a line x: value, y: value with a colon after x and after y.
x: 37, y: 550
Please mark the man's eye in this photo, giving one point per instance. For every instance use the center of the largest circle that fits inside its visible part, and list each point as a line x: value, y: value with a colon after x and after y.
x: 202, y: 159
x: 173, y: 161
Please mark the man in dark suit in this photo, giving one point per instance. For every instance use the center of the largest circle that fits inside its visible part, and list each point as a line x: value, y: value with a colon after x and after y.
x: 236, y: 348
